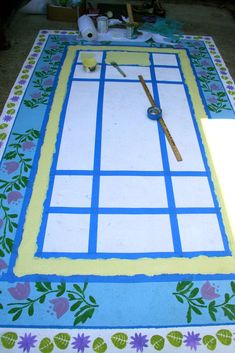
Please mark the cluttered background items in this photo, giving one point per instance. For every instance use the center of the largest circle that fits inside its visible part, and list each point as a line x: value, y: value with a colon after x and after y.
x: 105, y: 25
x: 98, y: 7
x: 71, y: 10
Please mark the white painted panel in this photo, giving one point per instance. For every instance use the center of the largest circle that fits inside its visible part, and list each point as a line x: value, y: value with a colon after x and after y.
x: 167, y: 74
x: 177, y: 115
x: 192, y: 192
x: 134, y: 234
x: 132, y: 191
x: 72, y: 191
x: 79, y: 72
x: 129, y: 139
x: 67, y: 233
x: 165, y: 59
x: 78, y: 139
x: 131, y: 72
x: 200, y: 232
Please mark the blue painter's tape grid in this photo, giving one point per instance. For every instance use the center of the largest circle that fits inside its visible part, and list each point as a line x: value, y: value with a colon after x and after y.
x: 41, y: 236
x: 166, y: 168
x: 94, y: 211
x: 97, y: 160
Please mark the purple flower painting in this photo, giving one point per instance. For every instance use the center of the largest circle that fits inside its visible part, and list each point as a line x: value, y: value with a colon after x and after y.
x: 36, y: 95
x: 7, y: 118
x: 208, y: 291
x: 61, y: 306
x: 28, y: 145
x: 15, y: 98
x: 48, y: 82
x: 14, y: 196
x: 192, y: 340
x: 212, y: 100
x: 11, y: 167
x: 27, y: 342
x: 138, y: 342
x: 81, y: 342
x: 20, y: 291
x: 3, y: 265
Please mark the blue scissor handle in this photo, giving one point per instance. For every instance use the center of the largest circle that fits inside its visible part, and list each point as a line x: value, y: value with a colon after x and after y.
x: 154, y: 113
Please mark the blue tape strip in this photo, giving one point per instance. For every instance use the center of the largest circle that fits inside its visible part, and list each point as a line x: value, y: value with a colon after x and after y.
x: 41, y: 235
x: 131, y: 173
x: 130, y: 211
x: 166, y: 168
x: 116, y: 279
x: 152, y: 255
x: 97, y: 161
x: 126, y: 80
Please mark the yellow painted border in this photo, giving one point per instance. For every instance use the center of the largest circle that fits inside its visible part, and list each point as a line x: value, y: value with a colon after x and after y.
x: 27, y: 263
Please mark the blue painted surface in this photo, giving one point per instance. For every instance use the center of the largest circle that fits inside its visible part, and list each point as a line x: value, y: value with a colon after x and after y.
x: 139, y: 301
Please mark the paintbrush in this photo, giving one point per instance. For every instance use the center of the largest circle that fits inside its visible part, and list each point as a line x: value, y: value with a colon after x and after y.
x: 114, y: 64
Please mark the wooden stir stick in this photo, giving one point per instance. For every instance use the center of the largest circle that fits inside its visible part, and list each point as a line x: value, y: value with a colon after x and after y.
x: 160, y: 120
x: 130, y: 13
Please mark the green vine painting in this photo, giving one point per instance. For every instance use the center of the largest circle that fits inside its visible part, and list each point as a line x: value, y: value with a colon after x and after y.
x: 17, y: 165
x: 198, y: 300
x: 62, y: 299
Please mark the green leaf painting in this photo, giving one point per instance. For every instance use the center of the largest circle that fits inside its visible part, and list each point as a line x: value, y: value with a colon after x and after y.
x: 210, y: 342
x: 46, y: 345
x: 158, y: 342
x: 9, y: 339
x: 62, y: 340
x: 119, y: 340
x: 224, y: 336
x: 175, y: 338
x: 87, y: 341
x: 99, y: 345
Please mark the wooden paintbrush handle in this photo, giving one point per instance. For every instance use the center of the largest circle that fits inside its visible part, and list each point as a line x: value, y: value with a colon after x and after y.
x: 148, y: 94
x: 130, y: 13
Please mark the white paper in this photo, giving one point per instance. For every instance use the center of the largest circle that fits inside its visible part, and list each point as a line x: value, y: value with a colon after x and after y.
x: 87, y: 28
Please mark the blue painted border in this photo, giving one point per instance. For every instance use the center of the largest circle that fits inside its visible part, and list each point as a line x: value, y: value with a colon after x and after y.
x: 28, y: 192
x: 203, y: 153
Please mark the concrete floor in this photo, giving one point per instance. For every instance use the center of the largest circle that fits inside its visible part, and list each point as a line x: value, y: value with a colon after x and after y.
x: 198, y: 19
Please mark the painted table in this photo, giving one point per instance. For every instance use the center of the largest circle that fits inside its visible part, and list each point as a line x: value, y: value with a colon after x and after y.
x: 107, y: 242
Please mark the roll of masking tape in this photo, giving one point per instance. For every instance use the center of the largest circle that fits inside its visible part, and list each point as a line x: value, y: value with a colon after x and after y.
x: 154, y: 113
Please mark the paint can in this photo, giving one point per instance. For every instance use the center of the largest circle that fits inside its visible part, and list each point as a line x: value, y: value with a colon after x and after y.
x: 102, y: 24
x: 130, y: 31
x: 89, y: 63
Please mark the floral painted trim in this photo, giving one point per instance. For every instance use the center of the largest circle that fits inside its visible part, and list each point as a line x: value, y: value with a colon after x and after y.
x: 13, y: 103
x: 74, y: 303
x: 205, y: 299
x: 61, y: 298
x: 222, y: 70
x: 16, y: 166
x: 15, y: 97
x: 129, y: 340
